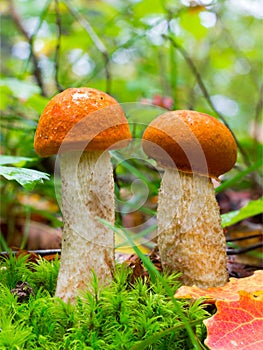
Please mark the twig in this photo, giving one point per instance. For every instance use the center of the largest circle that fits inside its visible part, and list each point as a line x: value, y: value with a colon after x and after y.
x: 41, y: 252
x: 243, y: 238
x: 204, y: 90
x: 57, y: 50
x: 230, y: 251
x: 36, y: 71
x: 172, y: 58
x: 45, y: 252
x: 95, y: 39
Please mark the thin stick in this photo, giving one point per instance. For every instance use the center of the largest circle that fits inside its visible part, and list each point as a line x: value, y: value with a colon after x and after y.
x: 244, y: 250
x: 243, y: 238
x: 95, y: 39
x: 57, y: 50
x: 37, y: 71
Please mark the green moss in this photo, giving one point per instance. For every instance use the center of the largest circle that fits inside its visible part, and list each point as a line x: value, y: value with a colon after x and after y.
x: 120, y: 316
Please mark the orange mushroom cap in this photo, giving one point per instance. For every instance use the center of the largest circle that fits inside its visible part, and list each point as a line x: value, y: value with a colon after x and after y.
x: 81, y: 119
x: 193, y: 142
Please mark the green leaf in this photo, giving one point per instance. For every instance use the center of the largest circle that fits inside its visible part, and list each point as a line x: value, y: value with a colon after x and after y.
x: 25, y: 177
x: 145, y: 8
x: 223, y: 58
x: 18, y: 161
x: 37, y: 103
x: 6, y: 97
x: 235, y: 179
x: 151, y: 340
x: 251, y: 209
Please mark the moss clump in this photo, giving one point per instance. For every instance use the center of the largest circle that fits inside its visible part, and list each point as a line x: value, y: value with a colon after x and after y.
x: 121, y: 315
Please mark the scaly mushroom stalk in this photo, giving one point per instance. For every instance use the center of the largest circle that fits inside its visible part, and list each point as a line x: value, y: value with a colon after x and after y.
x: 87, y: 245
x: 192, y: 147
x: 82, y: 124
x: 190, y: 236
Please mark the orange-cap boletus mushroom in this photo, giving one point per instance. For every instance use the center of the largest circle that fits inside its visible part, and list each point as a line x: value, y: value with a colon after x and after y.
x: 192, y: 147
x: 82, y: 124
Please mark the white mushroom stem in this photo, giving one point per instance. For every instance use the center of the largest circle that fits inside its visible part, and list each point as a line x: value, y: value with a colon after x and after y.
x: 87, y: 244
x: 190, y: 236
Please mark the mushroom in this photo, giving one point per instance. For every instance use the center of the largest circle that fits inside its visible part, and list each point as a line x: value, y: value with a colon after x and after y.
x: 193, y: 148
x: 82, y: 124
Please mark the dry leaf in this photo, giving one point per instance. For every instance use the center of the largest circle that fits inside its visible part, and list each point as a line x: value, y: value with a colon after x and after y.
x: 228, y: 292
x: 237, y: 324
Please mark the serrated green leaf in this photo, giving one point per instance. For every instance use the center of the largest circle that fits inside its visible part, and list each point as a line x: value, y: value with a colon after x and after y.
x: 251, y: 209
x: 18, y: 161
x: 27, y: 178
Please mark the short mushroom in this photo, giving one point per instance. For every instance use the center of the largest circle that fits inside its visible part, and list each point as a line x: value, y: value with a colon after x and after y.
x: 82, y: 124
x: 193, y: 148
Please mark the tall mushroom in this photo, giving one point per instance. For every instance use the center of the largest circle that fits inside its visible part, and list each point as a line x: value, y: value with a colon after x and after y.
x: 82, y: 124
x: 192, y: 147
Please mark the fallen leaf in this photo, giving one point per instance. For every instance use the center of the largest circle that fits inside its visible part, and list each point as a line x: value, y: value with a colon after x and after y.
x: 37, y: 202
x: 40, y: 235
x: 31, y: 256
x: 238, y: 270
x: 122, y: 246
x: 134, y: 262
x: 229, y: 291
x: 237, y: 324
x: 138, y: 269
x: 244, y: 235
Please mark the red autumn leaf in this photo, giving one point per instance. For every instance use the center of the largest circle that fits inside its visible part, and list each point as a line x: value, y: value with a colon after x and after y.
x: 229, y: 291
x: 237, y: 324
